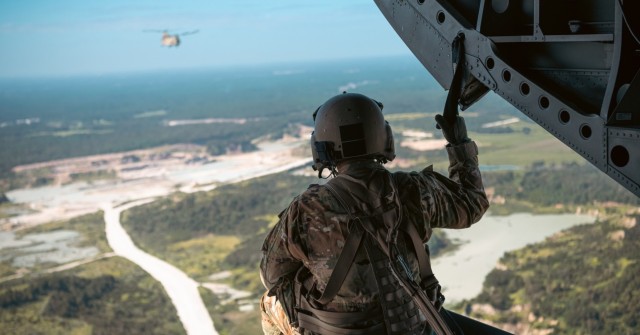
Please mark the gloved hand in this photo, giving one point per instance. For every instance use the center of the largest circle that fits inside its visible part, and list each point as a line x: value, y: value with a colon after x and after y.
x: 456, y: 132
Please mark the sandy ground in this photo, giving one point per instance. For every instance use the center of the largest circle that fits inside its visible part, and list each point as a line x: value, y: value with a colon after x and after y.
x: 152, y: 179
x: 147, y: 181
x: 461, y: 272
x: 424, y: 145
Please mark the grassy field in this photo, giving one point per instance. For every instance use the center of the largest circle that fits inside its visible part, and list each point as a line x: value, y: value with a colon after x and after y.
x: 200, y: 257
x: 522, y: 149
x: 514, y: 149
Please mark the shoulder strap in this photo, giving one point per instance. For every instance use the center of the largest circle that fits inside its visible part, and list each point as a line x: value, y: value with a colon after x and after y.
x: 436, y: 321
x: 346, y: 258
x: 421, y: 250
x: 424, y: 262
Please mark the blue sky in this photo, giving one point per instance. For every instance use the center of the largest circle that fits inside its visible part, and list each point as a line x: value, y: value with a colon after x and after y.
x: 78, y: 37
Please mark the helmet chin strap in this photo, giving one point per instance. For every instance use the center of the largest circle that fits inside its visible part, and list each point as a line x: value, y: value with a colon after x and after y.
x: 332, y: 168
x: 324, y: 156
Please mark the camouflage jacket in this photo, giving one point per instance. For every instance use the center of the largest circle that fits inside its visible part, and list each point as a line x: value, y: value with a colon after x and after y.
x: 312, y: 231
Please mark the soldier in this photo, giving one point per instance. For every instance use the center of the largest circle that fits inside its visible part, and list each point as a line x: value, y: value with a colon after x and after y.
x: 348, y: 256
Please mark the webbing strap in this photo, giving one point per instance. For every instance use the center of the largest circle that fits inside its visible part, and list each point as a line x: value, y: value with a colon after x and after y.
x: 426, y: 306
x: 308, y: 322
x: 424, y: 263
x: 402, y: 316
x: 345, y: 260
x: 457, y: 56
x: 338, y: 318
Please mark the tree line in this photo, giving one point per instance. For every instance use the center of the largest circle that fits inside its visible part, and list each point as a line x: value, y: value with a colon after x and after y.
x: 109, y: 304
x: 565, y: 183
x: 584, y: 279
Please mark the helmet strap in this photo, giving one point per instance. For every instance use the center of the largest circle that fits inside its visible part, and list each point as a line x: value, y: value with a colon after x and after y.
x: 325, y: 159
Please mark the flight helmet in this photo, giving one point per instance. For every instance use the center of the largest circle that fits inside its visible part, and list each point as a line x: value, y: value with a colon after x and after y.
x: 347, y: 126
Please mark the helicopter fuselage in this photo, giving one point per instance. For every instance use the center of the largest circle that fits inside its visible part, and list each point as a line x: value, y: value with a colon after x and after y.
x: 170, y: 40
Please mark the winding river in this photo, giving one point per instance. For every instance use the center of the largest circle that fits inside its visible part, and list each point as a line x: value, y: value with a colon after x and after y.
x: 182, y: 290
x: 462, y: 272
x: 66, y: 201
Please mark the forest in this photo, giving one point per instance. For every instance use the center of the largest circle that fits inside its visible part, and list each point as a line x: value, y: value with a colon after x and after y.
x: 592, y: 292
x: 110, y: 296
x: 237, y: 211
x: 48, y: 119
x: 549, y: 184
x: 213, y: 214
x: 579, y: 282
x: 583, y: 281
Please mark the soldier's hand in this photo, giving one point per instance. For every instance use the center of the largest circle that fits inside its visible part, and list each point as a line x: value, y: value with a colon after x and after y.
x: 456, y: 132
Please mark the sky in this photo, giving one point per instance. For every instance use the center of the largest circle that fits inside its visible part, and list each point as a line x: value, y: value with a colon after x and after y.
x: 43, y: 38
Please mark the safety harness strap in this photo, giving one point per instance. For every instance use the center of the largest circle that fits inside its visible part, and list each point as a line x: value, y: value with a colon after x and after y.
x: 427, y: 307
x: 308, y: 322
x: 402, y: 316
x: 424, y: 263
x: 457, y: 56
x: 343, y: 265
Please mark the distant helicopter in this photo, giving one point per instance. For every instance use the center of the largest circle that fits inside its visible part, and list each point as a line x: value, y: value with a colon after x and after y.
x: 171, y: 40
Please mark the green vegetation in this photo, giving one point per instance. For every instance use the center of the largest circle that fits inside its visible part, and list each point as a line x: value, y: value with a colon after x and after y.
x: 202, y: 256
x: 32, y: 178
x: 224, y: 229
x: 127, y: 112
x: 90, y: 226
x: 109, y: 296
x: 106, y: 296
x: 582, y: 281
x: 548, y: 188
x: 93, y: 176
x: 227, y: 319
x: 548, y: 185
x: 8, y: 209
x: 522, y: 149
x: 221, y: 229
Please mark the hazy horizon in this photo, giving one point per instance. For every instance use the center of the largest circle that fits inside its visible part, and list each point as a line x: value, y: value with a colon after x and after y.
x: 72, y: 37
x: 275, y: 65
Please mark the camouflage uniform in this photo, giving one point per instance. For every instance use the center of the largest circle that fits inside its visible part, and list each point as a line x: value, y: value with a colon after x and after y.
x: 312, y: 230
x: 274, y: 318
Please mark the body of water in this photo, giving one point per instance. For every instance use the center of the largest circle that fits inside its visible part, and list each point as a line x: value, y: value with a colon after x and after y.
x: 461, y: 273
x: 60, y: 202
x: 58, y: 246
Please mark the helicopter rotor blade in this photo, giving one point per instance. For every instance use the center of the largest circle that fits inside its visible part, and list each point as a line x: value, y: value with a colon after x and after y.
x: 189, y: 32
